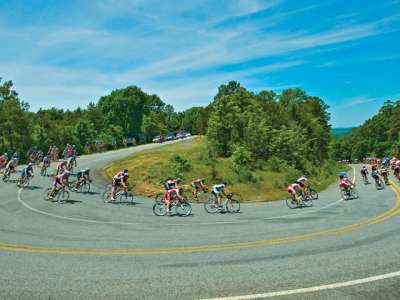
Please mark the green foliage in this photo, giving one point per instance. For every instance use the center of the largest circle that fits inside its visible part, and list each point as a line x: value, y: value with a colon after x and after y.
x: 179, y: 165
x: 291, y: 127
x: 241, y: 161
x: 125, y: 113
x: 378, y: 136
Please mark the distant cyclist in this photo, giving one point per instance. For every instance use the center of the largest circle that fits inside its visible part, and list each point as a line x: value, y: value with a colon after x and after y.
x: 171, y: 195
x: 62, y: 166
x: 3, y: 160
x: 11, y: 165
x: 198, y: 185
x: 172, y: 184
x: 219, y: 190
x: 364, y: 173
x: 27, y: 172
x: 385, y: 174
x: 60, y: 181
x: 119, y: 181
x: 294, y: 190
x: 344, y: 182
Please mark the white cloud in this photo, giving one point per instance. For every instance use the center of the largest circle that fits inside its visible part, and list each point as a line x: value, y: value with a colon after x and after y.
x: 359, y: 100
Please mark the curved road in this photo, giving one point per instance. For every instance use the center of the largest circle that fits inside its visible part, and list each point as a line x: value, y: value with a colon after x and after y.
x: 90, y: 249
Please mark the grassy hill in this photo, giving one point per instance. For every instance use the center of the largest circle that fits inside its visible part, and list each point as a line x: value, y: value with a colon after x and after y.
x: 149, y: 169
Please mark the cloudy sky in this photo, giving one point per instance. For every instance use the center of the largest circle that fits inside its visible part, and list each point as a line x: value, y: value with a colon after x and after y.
x: 68, y: 53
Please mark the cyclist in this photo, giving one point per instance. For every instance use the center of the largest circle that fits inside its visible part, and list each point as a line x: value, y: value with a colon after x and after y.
x: 374, y: 166
x: 171, y: 195
x: 3, y: 160
x: 198, y: 185
x: 294, y: 189
x: 82, y: 176
x: 60, y: 181
x: 375, y: 175
x: 344, y: 182
x: 364, y: 173
x: 385, y: 174
x: 396, y: 171
x: 61, y: 167
x: 27, y: 172
x: 304, y: 185
x: 119, y: 180
x: 217, y: 191
x: 71, y: 161
x: 172, y: 184
x: 46, y: 162
x: 11, y: 165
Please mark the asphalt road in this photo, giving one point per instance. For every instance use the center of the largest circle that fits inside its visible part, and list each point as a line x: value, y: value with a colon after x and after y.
x: 88, y: 249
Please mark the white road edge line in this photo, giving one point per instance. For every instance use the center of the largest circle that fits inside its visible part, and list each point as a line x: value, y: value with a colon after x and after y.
x: 26, y: 205
x: 176, y: 224
x: 312, y: 289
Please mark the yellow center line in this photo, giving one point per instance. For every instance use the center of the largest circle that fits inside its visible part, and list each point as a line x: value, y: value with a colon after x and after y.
x: 211, y: 248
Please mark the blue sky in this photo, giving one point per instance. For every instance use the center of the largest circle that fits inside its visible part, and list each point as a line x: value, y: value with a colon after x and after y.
x: 68, y: 53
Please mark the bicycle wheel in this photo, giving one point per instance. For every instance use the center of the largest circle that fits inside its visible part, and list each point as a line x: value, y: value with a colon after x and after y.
x: 313, y: 194
x: 46, y: 194
x: 6, y: 177
x: 160, y: 209
x: 159, y: 197
x: 291, y: 203
x: 233, y: 206
x: 354, y: 193
x: 183, y: 209
x: 106, y: 196
x: 211, y: 207
x: 85, y: 187
x: 345, y: 195
x: 126, y: 198
x: 63, y: 196
x: 308, y: 202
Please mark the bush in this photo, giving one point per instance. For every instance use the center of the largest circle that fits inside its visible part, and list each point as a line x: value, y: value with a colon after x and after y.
x: 241, y: 161
x: 179, y: 165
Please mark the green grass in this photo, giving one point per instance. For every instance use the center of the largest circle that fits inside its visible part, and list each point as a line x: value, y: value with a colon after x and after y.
x: 148, y: 170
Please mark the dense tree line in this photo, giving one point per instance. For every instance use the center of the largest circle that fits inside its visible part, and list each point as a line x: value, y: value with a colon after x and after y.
x: 286, y: 130
x: 377, y: 137
x: 125, y: 114
x: 290, y: 129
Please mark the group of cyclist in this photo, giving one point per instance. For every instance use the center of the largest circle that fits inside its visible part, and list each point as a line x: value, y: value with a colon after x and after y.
x: 63, y: 170
x: 381, y: 168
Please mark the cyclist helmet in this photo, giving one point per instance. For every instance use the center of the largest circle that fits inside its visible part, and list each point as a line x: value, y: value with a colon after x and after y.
x: 225, y: 183
x: 342, y: 174
x: 87, y: 169
x: 30, y: 164
x: 178, y: 180
x: 302, y: 178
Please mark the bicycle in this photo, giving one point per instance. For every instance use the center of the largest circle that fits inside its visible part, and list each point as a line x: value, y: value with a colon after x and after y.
x: 378, y: 183
x: 120, y: 196
x: 7, y: 175
x: 200, y: 196
x: 81, y: 187
x: 60, y: 195
x: 306, y: 201
x: 365, y: 179
x: 349, y: 193
x: 181, y: 207
x: 229, y: 204
x: 23, y: 182
x: 313, y: 194
x: 43, y: 170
